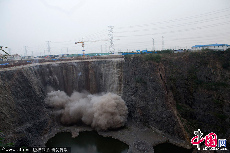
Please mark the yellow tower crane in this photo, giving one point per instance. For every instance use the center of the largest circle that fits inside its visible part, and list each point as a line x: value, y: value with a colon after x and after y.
x: 82, y: 47
x: 82, y: 42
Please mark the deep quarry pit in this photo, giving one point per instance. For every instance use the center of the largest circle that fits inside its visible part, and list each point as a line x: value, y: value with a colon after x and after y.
x: 147, y: 87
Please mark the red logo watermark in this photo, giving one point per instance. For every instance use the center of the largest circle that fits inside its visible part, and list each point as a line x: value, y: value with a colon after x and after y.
x: 210, y: 141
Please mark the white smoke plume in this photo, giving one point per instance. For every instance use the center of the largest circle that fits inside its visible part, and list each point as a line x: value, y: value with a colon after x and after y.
x: 102, y: 112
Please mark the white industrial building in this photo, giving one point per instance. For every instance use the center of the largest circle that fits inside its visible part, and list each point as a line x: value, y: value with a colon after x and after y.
x: 220, y: 47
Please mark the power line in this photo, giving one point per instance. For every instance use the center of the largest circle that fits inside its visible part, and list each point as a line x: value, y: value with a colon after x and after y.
x: 187, y: 29
x: 180, y: 19
x: 166, y: 26
x: 186, y: 22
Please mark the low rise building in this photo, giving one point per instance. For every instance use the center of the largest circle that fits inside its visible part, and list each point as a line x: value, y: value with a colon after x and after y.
x: 218, y: 47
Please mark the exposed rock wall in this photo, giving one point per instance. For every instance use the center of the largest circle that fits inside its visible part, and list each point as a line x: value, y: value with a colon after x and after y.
x: 176, y: 95
x: 93, y: 76
x: 200, y: 83
x: 23, y: 113
x: 147, y: 97
x: 180, y: 93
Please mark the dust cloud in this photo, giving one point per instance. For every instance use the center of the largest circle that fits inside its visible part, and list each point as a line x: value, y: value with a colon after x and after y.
x: 100, y: 111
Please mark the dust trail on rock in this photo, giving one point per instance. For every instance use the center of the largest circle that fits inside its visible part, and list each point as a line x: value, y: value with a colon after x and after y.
x: 101, y: 111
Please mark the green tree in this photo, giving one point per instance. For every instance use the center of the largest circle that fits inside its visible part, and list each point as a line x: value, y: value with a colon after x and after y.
x: 6, y: 54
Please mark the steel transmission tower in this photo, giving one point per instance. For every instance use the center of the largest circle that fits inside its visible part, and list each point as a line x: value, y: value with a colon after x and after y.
x: 105, y: 47
x: 111, y: 47
x: 25, y: 50
x: 162, y: 43
x: 153, y: 45
x: 48, y: 46
x: 9, y: 49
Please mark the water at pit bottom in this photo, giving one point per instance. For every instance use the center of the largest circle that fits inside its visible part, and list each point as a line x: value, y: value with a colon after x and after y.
x: 87, y: 142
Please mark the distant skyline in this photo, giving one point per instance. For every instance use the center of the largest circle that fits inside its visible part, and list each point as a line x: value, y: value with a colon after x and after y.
x: 173, y: 24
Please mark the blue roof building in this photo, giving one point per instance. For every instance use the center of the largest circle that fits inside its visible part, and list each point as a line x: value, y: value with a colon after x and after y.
x: 220, y: 47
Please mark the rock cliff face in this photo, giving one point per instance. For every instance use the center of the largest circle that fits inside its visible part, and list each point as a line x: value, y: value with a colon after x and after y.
x: 175, y: 94
x: 149, y: 101
x: 24, y: 116
x: 179, y: 93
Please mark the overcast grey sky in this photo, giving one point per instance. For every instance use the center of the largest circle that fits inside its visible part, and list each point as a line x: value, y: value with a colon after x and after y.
x: 182, y: 23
